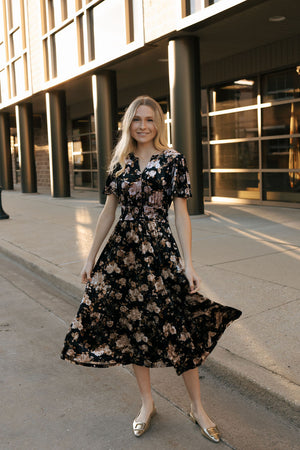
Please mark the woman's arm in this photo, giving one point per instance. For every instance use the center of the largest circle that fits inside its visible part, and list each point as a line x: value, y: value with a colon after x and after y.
x: 184, y: 230
x: 104, y: 223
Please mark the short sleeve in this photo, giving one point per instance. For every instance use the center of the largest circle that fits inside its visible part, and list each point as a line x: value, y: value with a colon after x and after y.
x: 181, y: 185
x: 111, y: 182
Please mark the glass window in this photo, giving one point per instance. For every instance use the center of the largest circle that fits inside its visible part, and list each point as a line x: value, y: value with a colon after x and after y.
x: 237, y: 185
x: 281, y: 85
x: 95, y: 180
x: 81, y: 126
x: 84, y: 153
x: 241, y: 155
x: 195, y: 5
x: 66, y: 51
x: 206, y: 184
x: 19, y: 76
x: 205, y: 156
x: 82, y: 161
x: 234, y: 125
x: 57, y: 11
x: 211, y: 2
x: 281, y: 153
x: 15, y: 12
x: 3, y: 86
x: 281, y: 119
x: 94, y: 160
x: 82, y: 179
x: 71, y: 7
x: 2, y: 55
x: 281, y: 187
x: 16, y: 43
x: 233, y: 95
x: 109, y: 39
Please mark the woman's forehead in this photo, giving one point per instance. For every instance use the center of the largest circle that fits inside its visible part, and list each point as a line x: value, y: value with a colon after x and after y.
x: 144, y: 110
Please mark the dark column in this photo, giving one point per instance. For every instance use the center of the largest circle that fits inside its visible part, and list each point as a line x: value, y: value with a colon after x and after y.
x: 6, y: 175
x: 106, y: 125
x: 26, y: 145
x: 185, y: 96
x: 58, y: 146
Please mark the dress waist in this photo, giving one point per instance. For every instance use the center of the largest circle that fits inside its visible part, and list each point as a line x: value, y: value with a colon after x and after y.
x: 136, y: 214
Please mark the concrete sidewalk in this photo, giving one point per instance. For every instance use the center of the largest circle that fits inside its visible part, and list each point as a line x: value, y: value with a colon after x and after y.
x: 247, y: 256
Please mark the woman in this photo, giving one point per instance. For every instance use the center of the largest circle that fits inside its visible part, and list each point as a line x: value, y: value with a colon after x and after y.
x: 141, y: 306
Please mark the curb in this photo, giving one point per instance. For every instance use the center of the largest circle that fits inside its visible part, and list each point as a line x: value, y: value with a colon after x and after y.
x: 264, y: 386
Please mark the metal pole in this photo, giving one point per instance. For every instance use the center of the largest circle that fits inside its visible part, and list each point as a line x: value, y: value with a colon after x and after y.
x: 105, y: 110
x: 185, y: 97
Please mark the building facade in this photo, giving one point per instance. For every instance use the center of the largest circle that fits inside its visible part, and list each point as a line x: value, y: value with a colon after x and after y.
x: 226, y: 73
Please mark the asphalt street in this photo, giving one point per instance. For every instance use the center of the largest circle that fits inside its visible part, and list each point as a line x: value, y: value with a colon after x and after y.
x: 48, y: 403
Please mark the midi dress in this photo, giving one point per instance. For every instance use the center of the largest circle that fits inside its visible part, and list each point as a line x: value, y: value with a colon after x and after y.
x: 137, y: 308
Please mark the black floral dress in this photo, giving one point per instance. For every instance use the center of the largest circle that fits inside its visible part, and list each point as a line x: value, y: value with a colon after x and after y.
x: 137, y: 307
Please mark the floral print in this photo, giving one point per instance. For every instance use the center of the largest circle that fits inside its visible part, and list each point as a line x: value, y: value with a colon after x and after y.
x: 137, y: 307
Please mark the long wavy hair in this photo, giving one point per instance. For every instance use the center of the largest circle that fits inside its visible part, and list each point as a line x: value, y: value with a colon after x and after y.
x: 126, y: 143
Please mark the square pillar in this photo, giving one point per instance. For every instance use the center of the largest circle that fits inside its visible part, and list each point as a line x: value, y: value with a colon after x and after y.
x: 185, y: 99
x: 58, y: 145
x: 6, y: 174
x: 24, y: 121
x: 104, y: 87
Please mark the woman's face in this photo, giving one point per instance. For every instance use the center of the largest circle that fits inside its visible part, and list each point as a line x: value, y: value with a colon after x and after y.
x: 142, y: 127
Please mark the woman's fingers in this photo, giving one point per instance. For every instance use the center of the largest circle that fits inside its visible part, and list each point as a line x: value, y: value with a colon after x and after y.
x: 194, y: 284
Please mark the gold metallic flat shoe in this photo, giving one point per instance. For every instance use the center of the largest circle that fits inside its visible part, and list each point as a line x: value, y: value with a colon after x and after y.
x: 211, y: 433
x: 140, y: 428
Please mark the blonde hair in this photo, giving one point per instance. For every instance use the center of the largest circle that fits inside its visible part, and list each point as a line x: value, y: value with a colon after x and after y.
x: 126, y: 143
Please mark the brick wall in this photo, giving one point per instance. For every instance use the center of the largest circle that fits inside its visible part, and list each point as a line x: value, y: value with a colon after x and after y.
x: 41, y: 152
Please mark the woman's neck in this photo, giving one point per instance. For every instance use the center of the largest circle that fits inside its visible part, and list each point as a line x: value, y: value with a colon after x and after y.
x: 145, y: 150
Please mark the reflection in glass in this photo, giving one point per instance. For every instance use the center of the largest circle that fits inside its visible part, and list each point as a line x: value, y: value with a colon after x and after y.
x: 275, y: 154
x: 94, y: 161
x: 237, y: 185
x: 93, y: 142
x: 235, y: 125
x: 281, y: 119
x: 81, y: 126
x: 205, y: 156
x: 95, y: 180
x: 84, y: 153
x: 241, y: 155
x: 16, y: 47
x: 281, y: 85
x: 66, y: 51
x: 108, y: 39
x: 19, y: 76
x: 15, y: 13
x: 82, y: 179
x: 278, y: 187
x: 82, y: 161
x: 206, y: 184
x: 233, y: 95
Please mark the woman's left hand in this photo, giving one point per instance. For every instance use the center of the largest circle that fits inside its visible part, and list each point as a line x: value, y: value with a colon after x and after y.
x: 193, y: 279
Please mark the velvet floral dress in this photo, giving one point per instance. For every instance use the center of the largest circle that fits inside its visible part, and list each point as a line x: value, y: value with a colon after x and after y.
x: 137, y: 308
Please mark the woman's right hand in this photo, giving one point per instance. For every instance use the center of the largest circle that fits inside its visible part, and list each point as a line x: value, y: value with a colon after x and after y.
x: 86, y: 272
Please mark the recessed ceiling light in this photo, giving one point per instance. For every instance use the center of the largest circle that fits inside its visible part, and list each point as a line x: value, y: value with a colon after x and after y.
x: 244, y: 82
x: 277, y: 18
